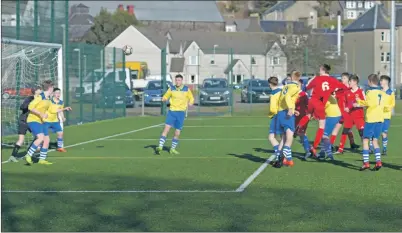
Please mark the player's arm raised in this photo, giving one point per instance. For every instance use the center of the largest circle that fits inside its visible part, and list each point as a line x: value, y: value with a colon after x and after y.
x: 311, y: 83
x: 167, y: 95
x: 190, y: 98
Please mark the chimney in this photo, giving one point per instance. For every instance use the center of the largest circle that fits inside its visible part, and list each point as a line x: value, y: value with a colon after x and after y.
x: 121, y: 7
x: 130, y: 9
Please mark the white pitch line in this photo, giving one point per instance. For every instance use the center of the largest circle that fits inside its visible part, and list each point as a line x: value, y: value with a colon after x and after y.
x: 190, y: 139
x: 104, y: 138
x: 120, y: 191
x: 225, y: 126
x: 257, y: 172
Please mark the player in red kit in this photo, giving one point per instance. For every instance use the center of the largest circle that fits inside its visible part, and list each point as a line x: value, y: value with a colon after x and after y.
x: 300, y: 112
x: 322, y: 87
x: 356, y: 113
x: 344, y: 106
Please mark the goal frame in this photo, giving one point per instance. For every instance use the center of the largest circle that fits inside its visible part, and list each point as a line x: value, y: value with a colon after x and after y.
x: 60, y: 65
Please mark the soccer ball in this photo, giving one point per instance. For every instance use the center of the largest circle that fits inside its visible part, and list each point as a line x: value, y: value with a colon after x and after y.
x: 127, y: 50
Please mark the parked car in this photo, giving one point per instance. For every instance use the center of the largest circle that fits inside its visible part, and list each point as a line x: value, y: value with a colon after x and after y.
x: 25, y: 91
x: 256, y: 90
x: 214, y: 91
x: 115, y: 95
x: 153, y: 92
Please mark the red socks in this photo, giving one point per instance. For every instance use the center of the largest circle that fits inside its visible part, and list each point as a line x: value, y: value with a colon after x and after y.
x: 318, y: 137
x: 332, y: 139
x: 342, y: 142
x: 304, y: 121
x: 351, y: 138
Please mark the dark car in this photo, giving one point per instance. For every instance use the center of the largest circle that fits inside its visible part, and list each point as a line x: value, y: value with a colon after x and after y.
x: 256, y: 90
x: 115, y: 95
x: 214, y: 91
x: 153, y: 92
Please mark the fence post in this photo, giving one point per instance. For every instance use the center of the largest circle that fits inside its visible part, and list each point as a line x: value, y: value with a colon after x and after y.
x: 114, y: 83
x: 103, y: 78
x: 163, y: 71
x: 124, y: 80
x: 197, y: 85
x: 36, y: 19
x: 93, y: 94
x: 231, y: 82
x: 18, y: 19
x: 52, y: 18
x: 66, y: 73
x: 80, y: 55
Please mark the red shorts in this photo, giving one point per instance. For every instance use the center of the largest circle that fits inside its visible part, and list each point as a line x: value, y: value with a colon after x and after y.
x: 316, y: 108
x: 301, y: 130
x: 354, y: 121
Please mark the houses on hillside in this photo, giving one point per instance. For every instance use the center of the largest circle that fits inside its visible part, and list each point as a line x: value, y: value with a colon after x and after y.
x: 206, y: 54
x: 367, y: 43
x: 351, y: 9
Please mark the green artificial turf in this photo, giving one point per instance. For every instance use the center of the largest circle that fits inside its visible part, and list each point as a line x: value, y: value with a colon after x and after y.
x: 217, y: 155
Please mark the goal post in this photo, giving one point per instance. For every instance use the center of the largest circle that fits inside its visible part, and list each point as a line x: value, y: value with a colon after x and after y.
x: 25, y: 64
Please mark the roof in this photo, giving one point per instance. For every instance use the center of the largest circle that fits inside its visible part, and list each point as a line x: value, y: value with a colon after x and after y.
x: 245, y: 25
x: 398, y: 20
x: 177, y: 64
x: 76, y: 32
x: 241, y: 42
x: 9, y: 7
x: 156, y: 37
x: 194, y: 11
x: 81, y: 19
x: 280, y: 27
x: 324, y: 30
x: 375, y: 18
x: 280, y: 6
x: 230, y: 66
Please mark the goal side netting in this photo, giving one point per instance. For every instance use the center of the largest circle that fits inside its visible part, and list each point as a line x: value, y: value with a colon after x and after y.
x: 24, y: 65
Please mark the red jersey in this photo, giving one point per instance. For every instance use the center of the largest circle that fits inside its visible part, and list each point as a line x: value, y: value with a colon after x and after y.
x: 323, y: 87
x: 352, y: 96
x: 341, y: 99
x: 301, y: 103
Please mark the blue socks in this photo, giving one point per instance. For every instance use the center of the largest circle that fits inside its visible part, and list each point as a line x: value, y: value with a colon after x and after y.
x: 287, y: 152
x: 377, y: 154
x: 162, y: 141
x: 60, y: 143
x: 306, y: 144
x: 43, y: 153
x: 175, y: 142
x: 384, y: 143
x: 32, y: 149
x: 365, y: 156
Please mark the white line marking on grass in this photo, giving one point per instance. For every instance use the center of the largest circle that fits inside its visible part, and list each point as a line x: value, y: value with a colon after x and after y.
x: 224, y: 126
x: 257, y: 172
x: 119, y: 191
x: 190, y: 139
x: 149, y: 157
x: 104, y: 138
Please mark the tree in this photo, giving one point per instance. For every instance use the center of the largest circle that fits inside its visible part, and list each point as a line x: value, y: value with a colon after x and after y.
x: 108, y: 26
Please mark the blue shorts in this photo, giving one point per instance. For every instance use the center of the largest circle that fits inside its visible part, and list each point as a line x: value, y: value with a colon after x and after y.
x: 385, y: 125
x: 54, y: 126
x: 372, y: 130
x: 36, y: 128
x: 274, y: 126
x: 285, y: 122
x: 175, y: 119
x: 330, y: 123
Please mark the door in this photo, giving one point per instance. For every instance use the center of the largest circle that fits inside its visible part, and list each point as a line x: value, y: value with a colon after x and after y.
x: 238, y: 78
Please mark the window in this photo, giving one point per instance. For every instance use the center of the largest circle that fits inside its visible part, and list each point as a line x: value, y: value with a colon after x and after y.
x: 350, y: 4
x: 192, y: 78
x: 351, y: 15
x: 382, y: 57
x: 230, y: 28
x: 283, y: 40
x: 382, y: 36
x: 212, y: 61
x: 275, y: 61
x: 385, y: 58
x: 296, y: 40
x: 193, y: 60
x: 253, y: 61
x: 359, y: 4
x: 368, y: 4
x: 388, y: 57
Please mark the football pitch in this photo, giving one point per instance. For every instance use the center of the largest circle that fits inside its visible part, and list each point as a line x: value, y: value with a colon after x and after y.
x: 111, y: 180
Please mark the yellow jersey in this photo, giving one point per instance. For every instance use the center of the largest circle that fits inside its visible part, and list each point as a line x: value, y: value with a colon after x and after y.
x: 288, y: 97
x: 332, y: 108
x: 375, y: 105
x: 274, y: 102
x: 52, y: 112
x: 179, y: 98
x: 389, y: 103
x: 39, y: 103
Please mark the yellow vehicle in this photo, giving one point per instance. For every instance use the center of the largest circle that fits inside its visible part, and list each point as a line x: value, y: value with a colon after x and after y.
x: 138, y: 69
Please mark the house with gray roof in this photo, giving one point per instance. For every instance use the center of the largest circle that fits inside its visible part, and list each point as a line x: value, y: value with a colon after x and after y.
x: 161, y: 15
x: 291, y: 10
x: 251, y: 24
x: 205, y: 54
x: 366, y: 43
x: 80, y: 22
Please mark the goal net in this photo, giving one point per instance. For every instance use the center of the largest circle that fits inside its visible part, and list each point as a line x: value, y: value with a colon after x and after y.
x: 24, y: 65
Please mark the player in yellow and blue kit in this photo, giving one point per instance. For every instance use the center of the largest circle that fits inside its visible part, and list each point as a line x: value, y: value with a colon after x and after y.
x: 332, y: 117
x: 286, y: 117
x: 37, y: 114
x: 389, y: 104
x: 55, y: 117
x: 374, y: 120
x: 180, y: 97
x: 273, y: 111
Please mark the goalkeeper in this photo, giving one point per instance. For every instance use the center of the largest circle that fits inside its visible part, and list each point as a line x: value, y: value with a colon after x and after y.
x: 22, y: 123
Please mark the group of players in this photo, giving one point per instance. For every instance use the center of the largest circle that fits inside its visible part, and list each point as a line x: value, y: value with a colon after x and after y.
x: 41, y: 112
x: 334, y: 104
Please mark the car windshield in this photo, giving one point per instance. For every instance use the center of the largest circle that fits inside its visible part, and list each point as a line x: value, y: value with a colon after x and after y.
x: 210, y: 83
x: 157, y: 85
x: 98, y: 75
x: 259, y: 83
